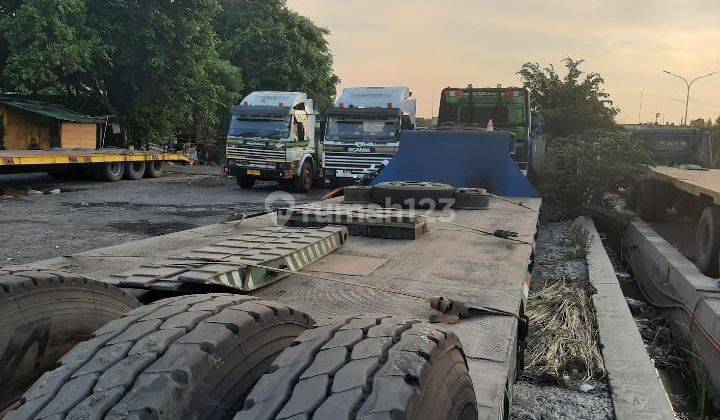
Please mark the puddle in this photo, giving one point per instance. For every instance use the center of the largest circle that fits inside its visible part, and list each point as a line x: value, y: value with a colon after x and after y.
x: 149, y: 228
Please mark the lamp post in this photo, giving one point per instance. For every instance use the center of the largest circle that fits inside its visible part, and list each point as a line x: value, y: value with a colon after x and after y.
x: 689, y: 85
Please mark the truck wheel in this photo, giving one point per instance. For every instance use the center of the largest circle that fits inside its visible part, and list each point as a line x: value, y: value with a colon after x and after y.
x: 419, y: 195
x: 42, y: 315
x: 651, y: 202
x: 193, y: 356
x: 366, y: 367
x: 134, y: 170
x: 304, y: 182
x: 110, y: 172
x: 707, y: 239
x: 246, y: 182
x: 154, y: 169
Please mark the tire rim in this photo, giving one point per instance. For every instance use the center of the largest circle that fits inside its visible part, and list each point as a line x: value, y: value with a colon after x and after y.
x: 137, y: 166
x: 307, y: 178
x: 115, y: 169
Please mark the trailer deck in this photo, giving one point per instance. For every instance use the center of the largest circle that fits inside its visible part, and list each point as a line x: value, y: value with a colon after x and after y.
x: 696, y: 182
x: 15, y: 158
x: 449, y: 261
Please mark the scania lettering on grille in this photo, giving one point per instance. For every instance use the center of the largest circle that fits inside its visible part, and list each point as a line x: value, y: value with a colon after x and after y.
x: 359, y: 150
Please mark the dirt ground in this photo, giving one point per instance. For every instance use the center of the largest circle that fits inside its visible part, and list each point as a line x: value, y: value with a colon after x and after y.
x: 88, y: 214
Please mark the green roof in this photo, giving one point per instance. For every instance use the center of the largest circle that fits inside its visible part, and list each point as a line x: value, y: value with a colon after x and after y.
x: 49, y: 110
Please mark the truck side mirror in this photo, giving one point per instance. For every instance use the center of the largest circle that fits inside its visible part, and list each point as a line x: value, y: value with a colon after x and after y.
x: 300, y: 131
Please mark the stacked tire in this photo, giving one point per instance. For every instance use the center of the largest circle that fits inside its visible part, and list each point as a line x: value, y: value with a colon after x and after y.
x: 43, y: 314
x: 223, y: 356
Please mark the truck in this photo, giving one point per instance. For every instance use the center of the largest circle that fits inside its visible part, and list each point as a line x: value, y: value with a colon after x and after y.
x: 272, y: 138
x: 37, y: 136
x: 506, y: 109
x: 671, y: 145
x: 363, y: 132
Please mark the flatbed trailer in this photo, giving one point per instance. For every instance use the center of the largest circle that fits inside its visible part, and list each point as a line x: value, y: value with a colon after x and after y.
x: 370, y: 275
x: 692, y: 193
x: 106, y: 164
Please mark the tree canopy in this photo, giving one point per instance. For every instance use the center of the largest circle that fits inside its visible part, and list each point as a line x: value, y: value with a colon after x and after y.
x: 277, y: 49
x: 161, y: 66
x: 569, y: 104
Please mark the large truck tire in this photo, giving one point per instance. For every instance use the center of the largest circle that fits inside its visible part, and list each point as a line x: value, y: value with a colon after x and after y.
x: 110, y: 171
x: 43, y: 314
x: 651, y: 200
x: 134, y: 170
x: 303, y: 183
x: 154, y: 169
x: 189, y: 357
x: 246, y: 182
x: 366, y: 368
x: 707, y: 241
x: 421, y: 195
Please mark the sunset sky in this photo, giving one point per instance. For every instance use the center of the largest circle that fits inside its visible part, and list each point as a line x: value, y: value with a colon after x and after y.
x: 430, y: 44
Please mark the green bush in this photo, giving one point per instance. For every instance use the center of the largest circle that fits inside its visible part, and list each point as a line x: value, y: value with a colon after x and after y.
x: 581, y: 168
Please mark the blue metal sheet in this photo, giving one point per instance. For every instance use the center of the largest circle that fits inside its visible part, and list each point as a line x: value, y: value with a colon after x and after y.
x: 459, y: 158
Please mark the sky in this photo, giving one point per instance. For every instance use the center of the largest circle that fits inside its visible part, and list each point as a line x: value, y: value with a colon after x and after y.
x: 430, y: 44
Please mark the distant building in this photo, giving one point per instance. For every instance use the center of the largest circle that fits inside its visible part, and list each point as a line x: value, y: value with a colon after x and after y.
x: 28, y: 124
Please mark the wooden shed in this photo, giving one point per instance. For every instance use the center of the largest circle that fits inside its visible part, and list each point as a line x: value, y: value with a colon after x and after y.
x: 34, y: 125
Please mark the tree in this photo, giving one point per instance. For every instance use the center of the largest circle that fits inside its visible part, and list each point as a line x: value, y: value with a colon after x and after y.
x: 569, y: 104
x: 277, y: 49
x: 582, y: 167
x: 153, y: 63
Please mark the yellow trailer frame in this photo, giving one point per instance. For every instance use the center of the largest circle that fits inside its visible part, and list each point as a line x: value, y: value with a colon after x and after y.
x: 10, y: 158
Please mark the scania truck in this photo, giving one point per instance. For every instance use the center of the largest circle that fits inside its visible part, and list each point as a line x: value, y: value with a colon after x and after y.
x: 363, y: 130
x: 272, y: 138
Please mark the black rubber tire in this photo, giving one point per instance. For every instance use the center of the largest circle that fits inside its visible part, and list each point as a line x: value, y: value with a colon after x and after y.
x: 358, y: 195
x: 154, y: 169
x: 652, y: 202
x: 43, y: 314
x: 186, y: 357
x: 366, y: 367
x: 303, y: 183
x: 707, y: 240
x: 421, y: 195
x: 246, y: 182
x: 135, y: 170
x: 109, y: 172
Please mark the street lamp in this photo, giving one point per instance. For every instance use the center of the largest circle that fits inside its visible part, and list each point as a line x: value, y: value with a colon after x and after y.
x: 689, y: 85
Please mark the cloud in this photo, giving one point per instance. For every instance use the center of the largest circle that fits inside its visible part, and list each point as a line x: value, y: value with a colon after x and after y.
x: 429, y: 44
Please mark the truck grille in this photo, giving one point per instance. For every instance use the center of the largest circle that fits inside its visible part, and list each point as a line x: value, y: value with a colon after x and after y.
x: 255, y: 156
x: 357, y: 164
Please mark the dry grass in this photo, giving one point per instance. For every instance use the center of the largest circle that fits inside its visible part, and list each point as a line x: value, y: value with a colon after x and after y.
x: 563, y: 337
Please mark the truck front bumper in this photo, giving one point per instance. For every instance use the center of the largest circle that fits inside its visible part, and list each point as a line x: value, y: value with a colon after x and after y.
x: 260, y: 173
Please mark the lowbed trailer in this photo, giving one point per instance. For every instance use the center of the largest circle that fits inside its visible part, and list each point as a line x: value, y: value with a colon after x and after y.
x: 378, y: 360
x: 106, y: 164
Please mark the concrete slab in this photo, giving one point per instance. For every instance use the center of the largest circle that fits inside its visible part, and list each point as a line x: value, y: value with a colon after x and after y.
x: 689, y: 297
x: 636, y: 388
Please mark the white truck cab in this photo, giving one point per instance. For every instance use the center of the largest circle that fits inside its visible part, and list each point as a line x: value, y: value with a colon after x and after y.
x: 272, y: 137
x: 363, y: 132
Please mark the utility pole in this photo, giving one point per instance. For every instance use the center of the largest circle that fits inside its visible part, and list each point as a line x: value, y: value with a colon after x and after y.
x: 689, y: 85
x: 640, y: 112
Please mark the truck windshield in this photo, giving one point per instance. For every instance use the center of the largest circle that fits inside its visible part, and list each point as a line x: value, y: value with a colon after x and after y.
x: 352, y: 131
x: 262, y: 128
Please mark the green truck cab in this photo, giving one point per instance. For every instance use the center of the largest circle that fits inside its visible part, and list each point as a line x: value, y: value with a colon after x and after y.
x: 508, y: 109
x: 272, y: 138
